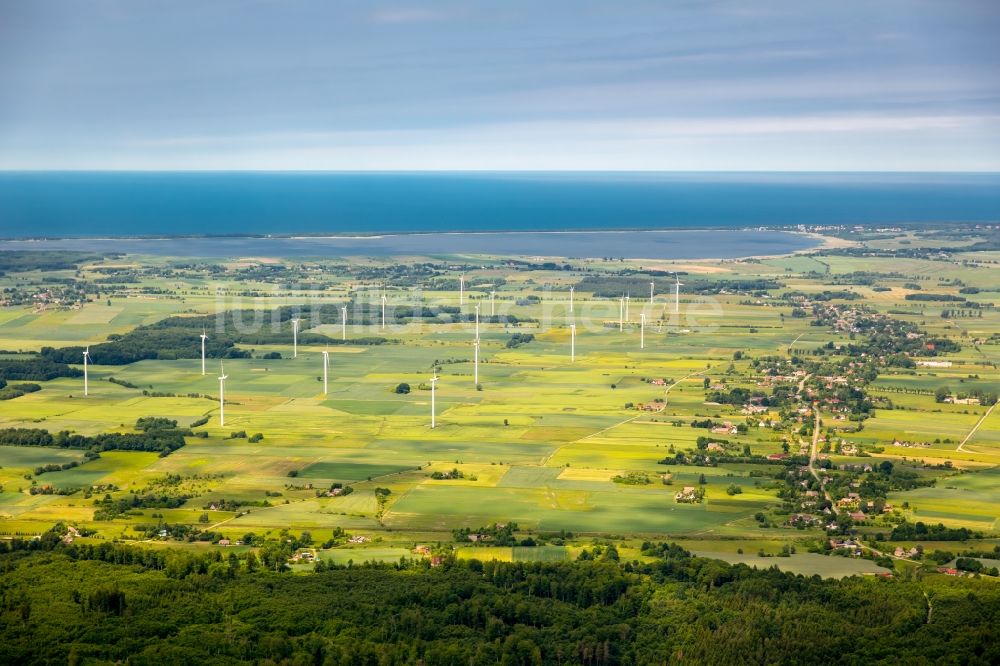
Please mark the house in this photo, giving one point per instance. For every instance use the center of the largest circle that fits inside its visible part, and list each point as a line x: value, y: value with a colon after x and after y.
x: 726, y: 429
x: 857, y: 515
x: 687, y: 494
x: 224, y: 542
x: 804, y: 519
x: 421, y: 550
x: 846, y: 544
x: 358, y: 539
x: 716, y: 447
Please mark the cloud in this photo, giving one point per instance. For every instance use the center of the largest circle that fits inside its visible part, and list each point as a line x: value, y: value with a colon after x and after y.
x: 409, y: 15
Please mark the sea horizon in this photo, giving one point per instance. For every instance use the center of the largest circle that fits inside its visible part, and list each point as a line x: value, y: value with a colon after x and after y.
x: 249, y: 204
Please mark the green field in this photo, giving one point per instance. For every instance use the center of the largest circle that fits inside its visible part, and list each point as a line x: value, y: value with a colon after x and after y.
x: 539, y: 442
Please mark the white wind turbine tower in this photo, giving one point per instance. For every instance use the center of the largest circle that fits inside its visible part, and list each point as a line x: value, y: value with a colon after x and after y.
x: 628, y: 300
x: 383, y: 312
x: 461, y: 290
x: 477, y: 321
x: 295, y: 338
x: 475, y: 344
x: 222, y: 394
x: 642, y: 330
x: 343, y: 322
x: 621, y: 313
x: 651, y: 285
x: 203, y: 337
x: 433, y: 385
x: 677, y: 294
x: 571, y: 298
x: 86, y: 362
x: 572, y: 343
x: 326, y: 368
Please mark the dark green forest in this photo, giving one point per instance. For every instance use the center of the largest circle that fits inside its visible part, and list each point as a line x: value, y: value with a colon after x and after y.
x: 180, y: 336
x: 110, y: 603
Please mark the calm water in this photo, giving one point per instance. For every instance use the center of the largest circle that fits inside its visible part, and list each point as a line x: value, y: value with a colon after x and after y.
x: 159, y: 204
x: 680, y: 244
x: 82, y: 208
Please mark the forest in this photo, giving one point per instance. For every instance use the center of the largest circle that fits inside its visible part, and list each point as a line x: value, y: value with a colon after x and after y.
x: 74, y: 604
x: 180, y: 337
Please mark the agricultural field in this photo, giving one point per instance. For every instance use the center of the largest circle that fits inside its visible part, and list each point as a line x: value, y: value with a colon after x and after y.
x: 769, y: 390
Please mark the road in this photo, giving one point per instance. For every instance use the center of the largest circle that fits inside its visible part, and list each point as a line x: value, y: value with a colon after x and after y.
x: 792, y: 343
x: 546, y: 459
x: 812, y: 454
x: 976, y: 427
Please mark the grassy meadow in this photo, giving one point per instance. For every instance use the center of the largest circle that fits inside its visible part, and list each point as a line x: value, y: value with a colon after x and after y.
x: 541, y: 439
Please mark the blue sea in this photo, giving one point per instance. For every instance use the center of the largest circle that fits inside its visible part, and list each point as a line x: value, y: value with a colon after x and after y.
x: 79, y: 205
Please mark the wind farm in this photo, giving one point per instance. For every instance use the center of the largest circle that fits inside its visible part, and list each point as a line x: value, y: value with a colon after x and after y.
x: 546, y: 334
x: 544, y: 438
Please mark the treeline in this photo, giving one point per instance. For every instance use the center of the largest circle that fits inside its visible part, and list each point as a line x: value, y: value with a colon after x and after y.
x: 46, y: 260
x: 180, y: 337
x: 112, y: 603
x: 945, y: 298
x: 912, y: 531
x: 161, y: 440
x: 605, y: 286
x: 16, y: 390
x: 38, y: 369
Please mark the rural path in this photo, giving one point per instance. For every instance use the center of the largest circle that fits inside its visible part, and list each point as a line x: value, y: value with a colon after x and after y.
x: 812, y: 454
x: 930, y: 608
x: 976, y: 427
x: 666, y: 391
x: 802, y: 384
x: 792, y: 344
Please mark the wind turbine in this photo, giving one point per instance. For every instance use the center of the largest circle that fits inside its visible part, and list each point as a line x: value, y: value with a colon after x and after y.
x: 571, y: 298
x: 572, y: 343
x: 677, y: 294
x: 621, y: 313
x: 343, y: 322
x: 627, y: 303
x: 222, y: 394
x: 642, y: 330
x: 383, y: 312
x: 203, y: 336
x: 326, y: 368
x: 433, y: 384
x: 651, y: 284
x: 461, y: 290
x: 295, y: 338
x: 477, y: 321
x: 86, y: 362
x: 475, y: 344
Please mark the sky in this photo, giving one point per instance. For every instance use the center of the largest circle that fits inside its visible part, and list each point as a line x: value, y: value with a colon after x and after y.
x: 875, y: 85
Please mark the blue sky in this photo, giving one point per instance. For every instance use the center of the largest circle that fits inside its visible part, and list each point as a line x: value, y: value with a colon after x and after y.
x: 508, y: 85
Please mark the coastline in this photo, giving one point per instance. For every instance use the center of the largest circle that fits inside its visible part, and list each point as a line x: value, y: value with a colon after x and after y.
x: 636, y: 244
